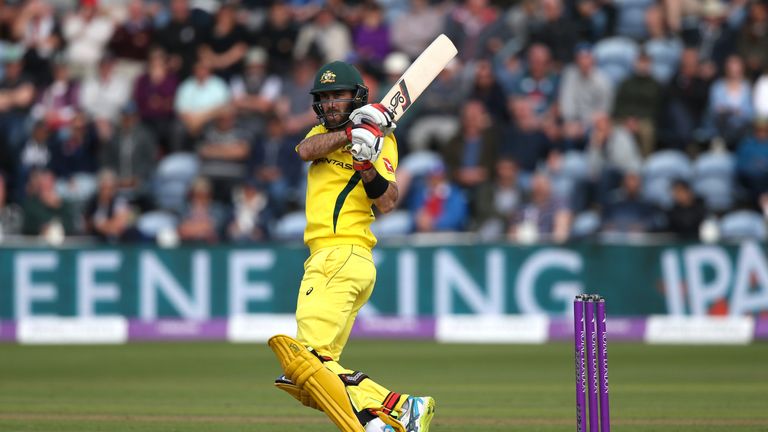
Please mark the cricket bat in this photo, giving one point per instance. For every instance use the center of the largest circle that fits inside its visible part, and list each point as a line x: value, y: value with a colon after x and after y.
x: 419, y: 75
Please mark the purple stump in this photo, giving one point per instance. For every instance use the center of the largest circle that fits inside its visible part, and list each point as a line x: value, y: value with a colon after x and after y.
x: 589, y: 320
x: 578, y: 343
x: 602, y: 361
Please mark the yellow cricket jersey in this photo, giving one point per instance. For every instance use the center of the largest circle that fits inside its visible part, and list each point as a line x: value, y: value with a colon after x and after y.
x: 337, y: 207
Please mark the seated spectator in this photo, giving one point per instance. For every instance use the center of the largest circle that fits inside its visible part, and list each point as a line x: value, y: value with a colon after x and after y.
x: 107, y: 214
x: 559, y: 33
x: 687, y: 96
x: 275, y: 164
x: 37, y: 30
x: 526, y: 140
x: 225, y: 44
x: 541, y: 214
x: 278, y: 37
x: 203, y: 220
x: 470, y: 155
x: 498, y: 200
x: 637, y: 104
x: 251, y: 216
x: 34, y: 154
x: 256, y: 91
x: 752, y: 41
x: 663, y: 47
x: 627, y: 212
x: 416, y: 28
x: 86, y: 33
x: 224, y: 150
x: 730, y: 110
x: 154, y: 93
x: 131, y: 40
x: 198, y: 101
x: 468, y: 25
x: 17, y: 94
x: 752, y: 160
x: 103, y: 94
x: 131, y: 153
x: 437, y: 204
x: 181, y: 38
x: 326, y: 34
x: 45, y: 212
x: 539, y: 82
x: 74, y: 149
x: 488, y: 90
x: 60, y: 101
x: 371, y: 37
x: 687, y: 213
x: 611, y: 149
x: 584, y: 92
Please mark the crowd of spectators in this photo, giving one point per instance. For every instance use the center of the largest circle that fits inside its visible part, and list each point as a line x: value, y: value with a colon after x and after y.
x: 131, y: 120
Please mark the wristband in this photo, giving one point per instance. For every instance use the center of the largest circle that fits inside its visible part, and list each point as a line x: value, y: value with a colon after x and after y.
x: 376, y: 187
x: 361, y: 165
x: 348, y: 131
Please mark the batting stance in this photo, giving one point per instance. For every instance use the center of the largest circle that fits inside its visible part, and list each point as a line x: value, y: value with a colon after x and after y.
x: 354, y: 158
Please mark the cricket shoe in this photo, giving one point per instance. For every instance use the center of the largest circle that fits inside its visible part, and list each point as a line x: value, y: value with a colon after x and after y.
x: 417, y: 412
x: 377, y: 425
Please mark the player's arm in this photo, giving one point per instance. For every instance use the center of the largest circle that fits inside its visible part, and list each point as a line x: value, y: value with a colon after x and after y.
x: 317, y: 146
x: 384, y: 191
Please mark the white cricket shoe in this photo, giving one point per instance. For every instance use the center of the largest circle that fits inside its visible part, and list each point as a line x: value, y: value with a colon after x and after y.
x: 377, y: 425
x: 417, y: 413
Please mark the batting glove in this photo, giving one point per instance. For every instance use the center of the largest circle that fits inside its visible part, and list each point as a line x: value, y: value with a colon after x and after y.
x: 365, y: 142
x: 377, y: 114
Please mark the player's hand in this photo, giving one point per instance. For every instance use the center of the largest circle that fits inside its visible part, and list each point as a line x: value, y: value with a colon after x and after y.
x: 377, y: 114
x: 366, y: 141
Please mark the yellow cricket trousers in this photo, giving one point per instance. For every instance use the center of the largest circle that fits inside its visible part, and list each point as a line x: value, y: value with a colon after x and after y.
x: 337, y: 282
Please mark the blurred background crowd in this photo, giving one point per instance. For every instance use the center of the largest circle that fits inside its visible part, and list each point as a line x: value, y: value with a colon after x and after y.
x: 137, y: 120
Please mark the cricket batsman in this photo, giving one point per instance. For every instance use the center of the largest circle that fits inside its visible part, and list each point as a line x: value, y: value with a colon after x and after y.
x: 354, y: 158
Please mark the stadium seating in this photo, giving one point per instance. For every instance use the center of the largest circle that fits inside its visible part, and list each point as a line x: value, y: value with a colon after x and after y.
x: 659, y: 170
x: 616, y: 56
x: 152, y: 223
x: 291, y: 226
x: 713, y: 179
x: 743, y: 225
x: 173, y: 177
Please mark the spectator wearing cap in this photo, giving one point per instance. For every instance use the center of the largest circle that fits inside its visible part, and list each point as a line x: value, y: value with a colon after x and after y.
x: 687, y: 212
x: 103, y: 94
x: 86, y: 33
x: 198, y: 101
x: 638, y: 103
x: 437, y: 205
x: 752, y: 160
x: 371, y: 36
x: 224, y: 149
x: 584, y: 92
x: 17, y: 94
x: 256, y: 91
x: 416, y: 28
x: 131, y: 40
x: 38, y: 31
x: 154, y: 93
x: 131, y: 153
x: 225, y: 44
x: 715, y: 34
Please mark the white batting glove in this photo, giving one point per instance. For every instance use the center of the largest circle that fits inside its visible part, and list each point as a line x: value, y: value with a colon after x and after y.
x: 366, y: 141
x: 377, y: 114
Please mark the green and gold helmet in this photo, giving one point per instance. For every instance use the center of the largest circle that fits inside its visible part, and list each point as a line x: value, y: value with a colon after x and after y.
x: 337, y: 76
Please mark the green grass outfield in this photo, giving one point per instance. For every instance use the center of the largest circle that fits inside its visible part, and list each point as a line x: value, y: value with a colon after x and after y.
x: 225, y: 387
